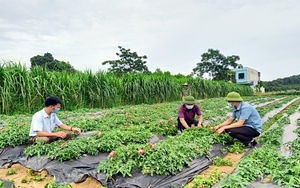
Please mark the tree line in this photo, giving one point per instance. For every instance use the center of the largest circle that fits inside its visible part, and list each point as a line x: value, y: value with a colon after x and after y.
x: 213, y: 63
x: 283, y: 84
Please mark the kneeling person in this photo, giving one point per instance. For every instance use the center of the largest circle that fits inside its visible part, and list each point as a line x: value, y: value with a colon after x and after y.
x: 44, y: 122
x: 187, y: 112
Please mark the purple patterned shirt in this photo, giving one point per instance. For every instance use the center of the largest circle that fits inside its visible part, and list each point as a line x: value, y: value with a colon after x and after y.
x: 185, y: 113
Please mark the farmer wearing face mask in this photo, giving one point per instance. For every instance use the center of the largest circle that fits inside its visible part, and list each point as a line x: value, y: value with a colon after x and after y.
x: 186, y: 114
x: 44, y: 121
x: 248, y: 124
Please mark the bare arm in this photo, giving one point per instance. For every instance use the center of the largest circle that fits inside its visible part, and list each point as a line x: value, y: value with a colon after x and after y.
x: 69, y: 128
x: 235, y: 125
x: 200, y: 120
x: 183, y: 122
x: 45, y: 134
x: 58, y: 134
x: 65, y: 127
x: 226, y: 122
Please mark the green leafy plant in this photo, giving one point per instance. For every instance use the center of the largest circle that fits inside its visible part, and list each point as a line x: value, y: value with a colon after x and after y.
x: 52, y: 184
x: 24, y: 180
x: 200, y: 181
x: 11, y: 171
x: 37, y: 178
x: 32, y: 172
x: 236, y: 147
x: 218, y: 161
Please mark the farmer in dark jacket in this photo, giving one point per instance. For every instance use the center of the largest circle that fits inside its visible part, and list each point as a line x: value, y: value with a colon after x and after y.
x: 187, y: 112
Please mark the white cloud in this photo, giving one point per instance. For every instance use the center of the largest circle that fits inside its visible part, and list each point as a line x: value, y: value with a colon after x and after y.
x: 173, y: 34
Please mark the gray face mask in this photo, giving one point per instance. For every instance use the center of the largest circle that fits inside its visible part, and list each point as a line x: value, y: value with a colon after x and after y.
x: 189, y: 106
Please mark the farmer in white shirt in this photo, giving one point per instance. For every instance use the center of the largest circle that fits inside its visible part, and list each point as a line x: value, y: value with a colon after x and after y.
x: 44, y: 122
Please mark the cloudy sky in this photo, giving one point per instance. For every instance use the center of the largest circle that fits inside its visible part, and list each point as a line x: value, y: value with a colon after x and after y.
x: 172, y: 33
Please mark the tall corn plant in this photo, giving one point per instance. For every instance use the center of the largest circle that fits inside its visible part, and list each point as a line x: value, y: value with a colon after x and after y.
x: 15, y: 88
x: 25, y: 90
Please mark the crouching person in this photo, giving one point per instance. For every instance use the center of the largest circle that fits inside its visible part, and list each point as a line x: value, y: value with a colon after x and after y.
x: 186, y: 114
x: 44, y: 121
x: 248, y: 125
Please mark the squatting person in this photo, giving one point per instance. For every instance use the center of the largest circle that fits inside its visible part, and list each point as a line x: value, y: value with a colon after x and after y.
x: 44, y: 121
x: 186, y: 114
x: 248, y: 124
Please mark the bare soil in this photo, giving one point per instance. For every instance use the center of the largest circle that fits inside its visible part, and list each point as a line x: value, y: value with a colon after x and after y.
x: 22, y: 172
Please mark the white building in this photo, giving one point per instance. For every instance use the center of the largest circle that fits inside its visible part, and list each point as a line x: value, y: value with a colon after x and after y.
x: 247, y: 76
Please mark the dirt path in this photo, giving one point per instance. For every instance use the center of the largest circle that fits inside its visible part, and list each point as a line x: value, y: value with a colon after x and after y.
x: 22, y: 173
x: 234, y: 158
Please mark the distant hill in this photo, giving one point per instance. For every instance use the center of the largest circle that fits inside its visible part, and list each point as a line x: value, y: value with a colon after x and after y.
x: 283, y: 84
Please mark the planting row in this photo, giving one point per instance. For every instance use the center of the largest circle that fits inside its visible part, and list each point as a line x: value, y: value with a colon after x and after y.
x: 125, y: 132
x: 266, y: 161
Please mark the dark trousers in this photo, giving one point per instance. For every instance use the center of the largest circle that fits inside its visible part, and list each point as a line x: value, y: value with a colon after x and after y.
x: 244, y: 134
x: 189, y: 122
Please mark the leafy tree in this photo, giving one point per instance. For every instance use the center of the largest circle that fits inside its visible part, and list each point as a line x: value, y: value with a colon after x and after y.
x: 259, y: 85
x: 216, y: 65
x: 181, y: 76
x: 47, y: 61
x: 129, y: 62
x: 60, y: 66
x: 160, y: 72
x: 41, y: 60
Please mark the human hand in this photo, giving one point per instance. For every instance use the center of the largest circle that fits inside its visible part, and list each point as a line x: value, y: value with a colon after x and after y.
x: 215, y: 127
x: 220, y: 130
x: 76, y: 130
x: 199, y: 124
x: 61, y: 134
x: 193, y: 125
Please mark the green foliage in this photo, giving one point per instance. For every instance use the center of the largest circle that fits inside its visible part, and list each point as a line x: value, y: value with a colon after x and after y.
x: 41, y: 61
x: 206, y: 182
x: 11, y: 171
x: 129, y: 62
x: 2, y: 185
x: 25, y: 91
x: 218, y: 161
x: 24, y: 180
x: 48, y: 62
x: 236, y: 147
x: 127, y: 129
x: 14, y: 135
x: 167, y: 157
x: 283, y: 84
x: 266, y: 161
x: 216, y: 65
x: 52, y: 184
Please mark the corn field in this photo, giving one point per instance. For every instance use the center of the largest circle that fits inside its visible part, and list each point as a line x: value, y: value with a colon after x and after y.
x: 24, y: 91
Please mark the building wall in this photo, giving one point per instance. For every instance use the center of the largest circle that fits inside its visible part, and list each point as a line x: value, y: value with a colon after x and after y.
x: 247, y: 75
x: 253, y: 76
x: 241, y: 75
